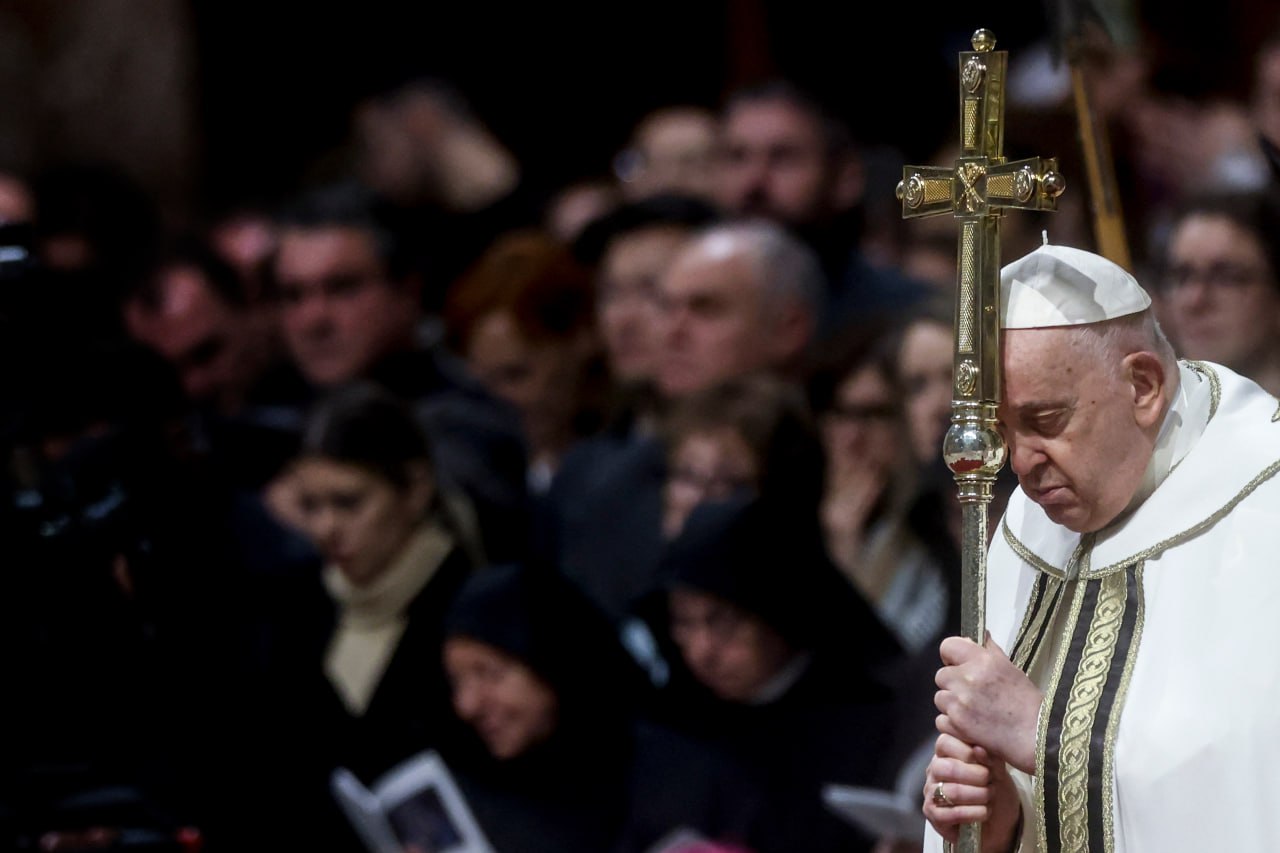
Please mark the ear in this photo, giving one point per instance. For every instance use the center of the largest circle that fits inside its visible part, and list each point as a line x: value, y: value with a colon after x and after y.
x: 1145, y: 374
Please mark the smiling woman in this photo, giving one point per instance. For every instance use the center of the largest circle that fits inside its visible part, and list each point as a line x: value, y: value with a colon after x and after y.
x: 557, y: 756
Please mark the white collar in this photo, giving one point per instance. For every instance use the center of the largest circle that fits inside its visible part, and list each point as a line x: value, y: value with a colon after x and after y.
x: 1184, y: 423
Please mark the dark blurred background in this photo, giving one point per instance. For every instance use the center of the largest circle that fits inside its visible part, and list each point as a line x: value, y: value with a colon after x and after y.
x: 211, y: 101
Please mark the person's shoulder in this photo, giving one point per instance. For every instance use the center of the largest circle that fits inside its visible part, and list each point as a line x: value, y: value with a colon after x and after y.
x: 868, y: 288
x: 449, y: 399
x: 863, y: 273
x: 426, y: 370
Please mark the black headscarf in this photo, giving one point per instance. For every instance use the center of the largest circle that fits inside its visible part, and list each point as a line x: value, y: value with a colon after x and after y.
x: 538, y: 617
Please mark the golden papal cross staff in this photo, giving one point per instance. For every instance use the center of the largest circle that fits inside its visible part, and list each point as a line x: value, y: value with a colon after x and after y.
x: 977, y: 190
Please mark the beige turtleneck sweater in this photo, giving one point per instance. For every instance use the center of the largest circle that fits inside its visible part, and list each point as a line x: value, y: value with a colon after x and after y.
x: 372, y: 618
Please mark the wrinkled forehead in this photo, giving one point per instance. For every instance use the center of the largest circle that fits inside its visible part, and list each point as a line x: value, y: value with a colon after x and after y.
x: 1046, y: 363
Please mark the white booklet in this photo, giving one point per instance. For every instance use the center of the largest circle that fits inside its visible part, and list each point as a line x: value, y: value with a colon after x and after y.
x: 679, y: 840
x: 415, y: 807
x: 892, y: 814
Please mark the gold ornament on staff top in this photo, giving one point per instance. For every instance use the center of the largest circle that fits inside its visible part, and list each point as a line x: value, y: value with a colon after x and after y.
x: 976, y: 191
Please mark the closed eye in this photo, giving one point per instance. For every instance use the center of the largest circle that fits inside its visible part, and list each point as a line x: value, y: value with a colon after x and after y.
x: 1049, y: 423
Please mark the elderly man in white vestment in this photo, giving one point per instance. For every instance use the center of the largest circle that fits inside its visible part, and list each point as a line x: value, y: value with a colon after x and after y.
x: 1128, y: 696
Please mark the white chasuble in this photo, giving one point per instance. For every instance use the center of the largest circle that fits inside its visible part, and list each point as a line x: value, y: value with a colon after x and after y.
x: 1156, y: 642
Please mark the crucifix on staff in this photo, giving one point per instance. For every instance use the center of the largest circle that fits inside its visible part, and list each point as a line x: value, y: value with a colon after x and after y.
x: 977, y: 190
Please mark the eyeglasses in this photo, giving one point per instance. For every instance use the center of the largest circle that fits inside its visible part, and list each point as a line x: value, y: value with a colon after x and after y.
x: 1216, y: 277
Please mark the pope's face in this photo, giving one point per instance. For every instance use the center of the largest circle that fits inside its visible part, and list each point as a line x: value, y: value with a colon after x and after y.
x: 1071, y: 428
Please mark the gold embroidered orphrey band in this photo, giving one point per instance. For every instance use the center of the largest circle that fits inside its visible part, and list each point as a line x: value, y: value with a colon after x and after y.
x: 1075, y: 741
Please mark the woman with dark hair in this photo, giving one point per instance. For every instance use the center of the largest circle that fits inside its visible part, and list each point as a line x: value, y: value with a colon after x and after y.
x: 884, y: 526
x: 1221, y: 289
x: 752, y: 434
x: 361, y: 660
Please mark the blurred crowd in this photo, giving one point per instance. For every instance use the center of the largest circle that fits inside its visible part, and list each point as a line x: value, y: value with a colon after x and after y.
x: 626, y: 499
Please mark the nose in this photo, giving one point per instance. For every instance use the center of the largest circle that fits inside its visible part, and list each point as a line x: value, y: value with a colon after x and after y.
x: 675, y: 322
x: 467, y: 700
x: 312, y: 312
x: 1024, y: 454
x: 753, y: 174
x: 699, y: 649
x: 1195, y: 293
x: 324, y: 527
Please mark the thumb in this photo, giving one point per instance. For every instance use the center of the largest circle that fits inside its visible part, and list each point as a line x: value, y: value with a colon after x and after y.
x: 993, y: 645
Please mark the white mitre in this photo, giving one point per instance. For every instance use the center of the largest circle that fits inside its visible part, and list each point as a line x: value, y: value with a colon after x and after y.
x: 1061, y: 286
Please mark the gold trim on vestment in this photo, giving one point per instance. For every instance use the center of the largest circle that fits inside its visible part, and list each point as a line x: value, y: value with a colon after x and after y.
x: 1027, y: 555
x: 1113, y: 725
x: 1084, y: 711
x: 1046, y: 710
x: 1026, y: 649
x: 1081, y: 714
x: 1215, y: 384
x: 1033, y: 609
x: 1195, y: 529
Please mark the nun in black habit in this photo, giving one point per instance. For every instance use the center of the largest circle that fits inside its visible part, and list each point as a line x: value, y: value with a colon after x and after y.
x: 780, y: 663
x: 560, y: 757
